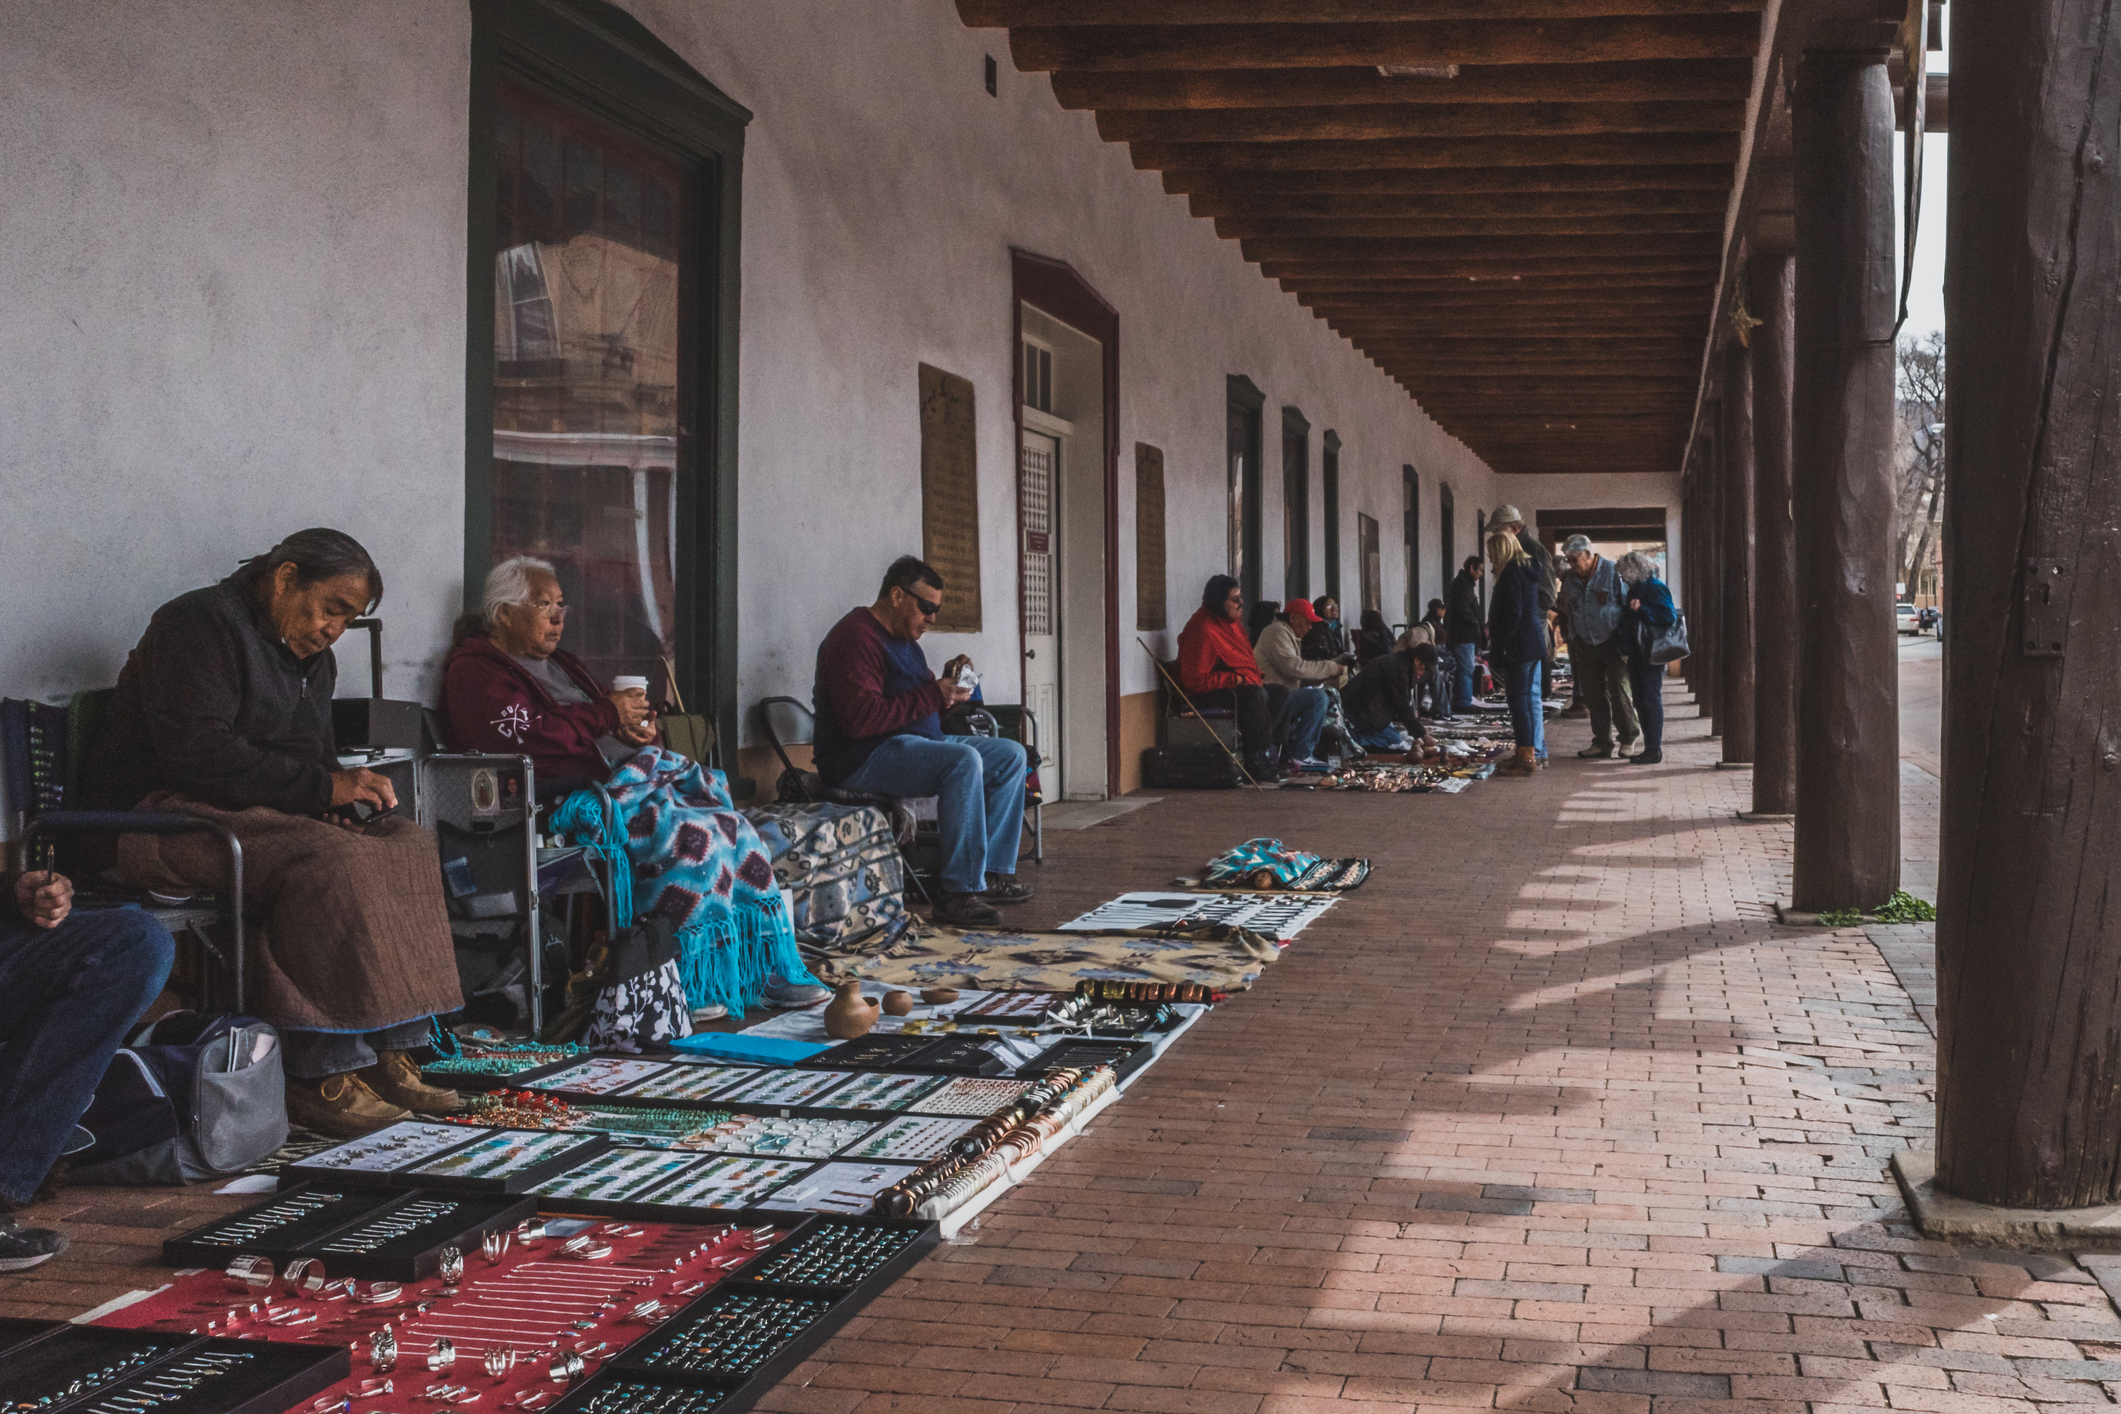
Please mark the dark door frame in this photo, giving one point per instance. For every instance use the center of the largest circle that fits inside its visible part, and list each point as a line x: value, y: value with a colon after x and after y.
x: 1410, y: 531
x: 1329, y: 507
x: 1246, y: 400
x: 1055, y: 288
x: 1295, y: 507
x: 597, y: 58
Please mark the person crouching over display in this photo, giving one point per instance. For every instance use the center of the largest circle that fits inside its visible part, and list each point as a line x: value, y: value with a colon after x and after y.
x: 223, y: 711
x: 1381, y: 702
x: 879, y: 729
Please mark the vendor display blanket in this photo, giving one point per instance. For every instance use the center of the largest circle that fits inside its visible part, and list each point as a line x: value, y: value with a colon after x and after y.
x: 1224, y: 959
x: 1154, y: 913
x: 1267, y: 865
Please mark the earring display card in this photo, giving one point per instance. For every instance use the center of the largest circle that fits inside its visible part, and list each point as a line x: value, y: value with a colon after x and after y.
x: 691, y: 1082
x: 786, y: 1087
x: 791, y: 1138
x: 837, y: 1188
x: 726, y: 1182
x: 292, y: 1219
x: 912, y: 1138
x: 388, y: 1150
x: 509, y: 1160
x: 968, y: 1095
x: 882, y: 1090
x: 620, y: 1176
x: 600, y: 1075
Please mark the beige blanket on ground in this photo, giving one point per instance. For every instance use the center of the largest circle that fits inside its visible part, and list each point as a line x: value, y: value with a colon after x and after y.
x: 348, y: 931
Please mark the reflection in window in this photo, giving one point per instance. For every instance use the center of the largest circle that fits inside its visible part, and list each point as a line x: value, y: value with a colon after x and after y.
x: 587, y: 348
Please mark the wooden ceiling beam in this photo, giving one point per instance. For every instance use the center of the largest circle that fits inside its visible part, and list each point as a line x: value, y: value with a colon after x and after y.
x: 1570, y: 149
x: 1630, y: 81
x: 1472, y: 267
x: 1460, y: 284
x: 1453, y: 248
x: 1374, y: 122
x: 1122, y: 48
x: 1486, y: 203
x: 1508, y: 346
x: 1013, y: 14
x: 1503, y: 297
x: 1430, y: 181
x: 1661, y: 223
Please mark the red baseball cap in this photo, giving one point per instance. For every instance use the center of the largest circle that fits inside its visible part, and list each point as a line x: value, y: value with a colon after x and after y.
x: 1301, y: 611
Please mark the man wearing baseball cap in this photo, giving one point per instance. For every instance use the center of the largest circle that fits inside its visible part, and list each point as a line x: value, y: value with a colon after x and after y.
x: 1591, y: 598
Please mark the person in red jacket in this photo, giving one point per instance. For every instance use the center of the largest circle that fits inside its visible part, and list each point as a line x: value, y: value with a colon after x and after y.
x: 1217, y: 669
x: 509, y: 687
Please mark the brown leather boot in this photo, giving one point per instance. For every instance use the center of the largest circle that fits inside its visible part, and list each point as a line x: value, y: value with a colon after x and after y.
x: 340, y: 1106
x: 397, y: 1080
x: 1524, y: 763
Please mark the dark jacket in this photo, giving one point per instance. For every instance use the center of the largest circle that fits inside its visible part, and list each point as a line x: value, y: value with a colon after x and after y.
x: 1374, y: 638
x: 213, y: 705
x: 1381, y: 694
x: 1657, y: 611
x: 1325, y: 641
x: 1462, y: 615
x: 489, y: 703
x: 1517, y: 630
x: 1542, y: 561
x: 870, y: 687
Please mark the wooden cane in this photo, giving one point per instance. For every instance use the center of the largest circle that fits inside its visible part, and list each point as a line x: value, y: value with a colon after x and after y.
x: 1166, y: 674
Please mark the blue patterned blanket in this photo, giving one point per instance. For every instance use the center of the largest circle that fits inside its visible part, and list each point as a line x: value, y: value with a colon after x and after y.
x: 680, y: 849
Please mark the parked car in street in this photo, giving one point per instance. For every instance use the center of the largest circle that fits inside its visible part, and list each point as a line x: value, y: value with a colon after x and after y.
x: 1905, y: 619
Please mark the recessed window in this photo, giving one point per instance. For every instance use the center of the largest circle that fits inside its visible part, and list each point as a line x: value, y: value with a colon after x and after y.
x: 1038, y: 376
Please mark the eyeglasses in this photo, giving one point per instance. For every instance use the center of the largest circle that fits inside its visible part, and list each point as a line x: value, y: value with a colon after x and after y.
x: 929, y: 607
x: 550, y: 611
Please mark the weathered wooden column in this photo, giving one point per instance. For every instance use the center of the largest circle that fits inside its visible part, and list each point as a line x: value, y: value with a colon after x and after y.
x: 1848, y: 718
x: 1702, y: 613
x: 1692, y: 549
x: 1735, y: 643
x: 1773, y: 282
x: 2028, y: 931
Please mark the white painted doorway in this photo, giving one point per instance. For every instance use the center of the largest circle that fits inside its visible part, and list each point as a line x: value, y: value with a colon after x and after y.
x: 1039, y: 499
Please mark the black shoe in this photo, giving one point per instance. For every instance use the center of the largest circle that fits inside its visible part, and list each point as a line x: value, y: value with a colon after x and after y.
x: 1647, y: 758
x: 24, y: 1247
x: 965, y: 910
x: 1003, y: 889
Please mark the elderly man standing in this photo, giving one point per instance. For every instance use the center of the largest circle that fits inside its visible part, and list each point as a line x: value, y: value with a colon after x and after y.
x: 879, y: 729
x: 1591, y: 601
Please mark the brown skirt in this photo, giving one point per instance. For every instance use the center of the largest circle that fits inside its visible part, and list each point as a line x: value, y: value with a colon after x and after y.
x: 354, y: 935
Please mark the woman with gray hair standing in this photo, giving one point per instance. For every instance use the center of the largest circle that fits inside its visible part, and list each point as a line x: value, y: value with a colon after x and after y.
x: 1649, y: 604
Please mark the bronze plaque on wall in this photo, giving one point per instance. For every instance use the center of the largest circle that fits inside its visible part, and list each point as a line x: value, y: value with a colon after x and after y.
x: 950, y: 496
x: 1149, y: 608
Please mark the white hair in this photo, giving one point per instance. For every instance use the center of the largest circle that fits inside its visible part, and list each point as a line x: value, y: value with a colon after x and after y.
x: 509, y: 582
x: 1634, y: 567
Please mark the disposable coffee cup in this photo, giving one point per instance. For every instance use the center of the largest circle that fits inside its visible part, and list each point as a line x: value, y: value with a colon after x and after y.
x: 630, y: 684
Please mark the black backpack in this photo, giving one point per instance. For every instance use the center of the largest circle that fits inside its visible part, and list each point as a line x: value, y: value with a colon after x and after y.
x: 191, y: 1097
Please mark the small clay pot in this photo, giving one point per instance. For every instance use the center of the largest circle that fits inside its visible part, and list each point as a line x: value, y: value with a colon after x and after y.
x: 935, y: 996
x: 849, y: 1014
x: 898, y: 1003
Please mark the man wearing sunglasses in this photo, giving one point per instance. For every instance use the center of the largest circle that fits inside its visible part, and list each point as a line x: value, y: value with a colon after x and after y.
x: 879, y: 729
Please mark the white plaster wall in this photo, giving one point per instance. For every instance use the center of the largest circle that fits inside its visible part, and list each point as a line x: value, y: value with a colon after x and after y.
x: 231, y: 306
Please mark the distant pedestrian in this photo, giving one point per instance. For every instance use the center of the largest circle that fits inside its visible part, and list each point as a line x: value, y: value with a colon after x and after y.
x: 1649, y: 606
x: 1517, y: 643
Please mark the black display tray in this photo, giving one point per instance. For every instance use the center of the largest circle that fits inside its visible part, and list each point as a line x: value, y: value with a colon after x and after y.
x: 313, y: 1210
x: 410, y: 1256
x: 1126, y: 1056
x: 761, y: 1270
x: 587, y: 1144
x: 918, y: 1055
x: 959, y: 1055
x: 235, y: 1376
x: 480, y: 1084
x: 14, y: 1330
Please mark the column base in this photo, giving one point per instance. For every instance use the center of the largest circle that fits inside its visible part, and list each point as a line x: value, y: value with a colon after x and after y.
x: 1763, y: 817
x: 1789, y: 915
x: 1734, y: 765
x: 1945, y: 1218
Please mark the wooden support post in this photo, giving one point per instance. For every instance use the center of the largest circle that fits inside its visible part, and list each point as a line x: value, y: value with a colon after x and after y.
x: 1848, y: 720
x: 1735, y: 643
x: 1706, y: 630
x: 1692, y: 548
x: 1773, y: 279
x: 2028, y: 936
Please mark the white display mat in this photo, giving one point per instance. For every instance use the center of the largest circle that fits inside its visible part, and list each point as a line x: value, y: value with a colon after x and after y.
x: 1267, y: 915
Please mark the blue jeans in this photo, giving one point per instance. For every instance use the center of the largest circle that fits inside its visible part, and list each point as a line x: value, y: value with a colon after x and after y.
x: 1307, y: 718
x: 1520, y: 685
x: 1389, y: 738
x: 1468, y: 669
x: 980, y: 784
x: 1538, y: 708
x: 72, y: 994
x: 1646, y: 680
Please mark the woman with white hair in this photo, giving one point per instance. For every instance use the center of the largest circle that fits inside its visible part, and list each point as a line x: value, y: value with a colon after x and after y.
x: 694, y: 859
x: 1649, y: 604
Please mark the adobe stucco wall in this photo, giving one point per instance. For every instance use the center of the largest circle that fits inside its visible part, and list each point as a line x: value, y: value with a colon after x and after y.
x: 232, y: 252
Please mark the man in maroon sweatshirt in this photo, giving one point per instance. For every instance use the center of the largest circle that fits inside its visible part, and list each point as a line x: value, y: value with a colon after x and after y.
x: 879, y: 729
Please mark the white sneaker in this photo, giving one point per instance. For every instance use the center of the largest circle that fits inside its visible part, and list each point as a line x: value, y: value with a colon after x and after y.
x: 789, y: 994
x: 708, y: 1013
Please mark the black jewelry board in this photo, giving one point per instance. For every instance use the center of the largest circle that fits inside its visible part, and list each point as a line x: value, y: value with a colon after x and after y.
x: 408, y: 1256
x: 564, y: 1155
x: 1126, y: 1056
x: 233, y: 1376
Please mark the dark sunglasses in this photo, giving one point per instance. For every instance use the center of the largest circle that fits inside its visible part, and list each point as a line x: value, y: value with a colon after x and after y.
x: 929, y: 607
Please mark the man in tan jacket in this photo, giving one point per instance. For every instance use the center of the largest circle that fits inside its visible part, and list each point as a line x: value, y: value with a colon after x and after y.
x: 1281, y: 659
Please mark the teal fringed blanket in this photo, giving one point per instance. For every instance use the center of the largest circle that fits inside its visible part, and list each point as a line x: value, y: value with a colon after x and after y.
x: 680, y: 849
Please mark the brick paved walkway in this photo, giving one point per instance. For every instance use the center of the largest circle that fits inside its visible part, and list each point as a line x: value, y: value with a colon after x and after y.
x: 1550, y: 1115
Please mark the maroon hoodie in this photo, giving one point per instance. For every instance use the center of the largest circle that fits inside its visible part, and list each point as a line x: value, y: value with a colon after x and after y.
x: 489, y: 703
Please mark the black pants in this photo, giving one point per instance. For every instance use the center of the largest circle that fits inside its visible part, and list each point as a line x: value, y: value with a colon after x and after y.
x: 1646, y: 681
x: 1262, y: 714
